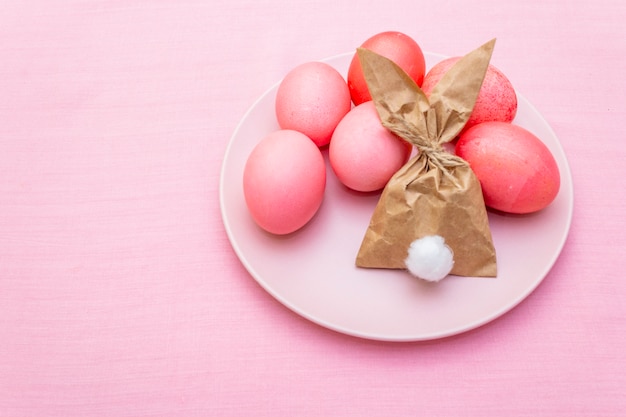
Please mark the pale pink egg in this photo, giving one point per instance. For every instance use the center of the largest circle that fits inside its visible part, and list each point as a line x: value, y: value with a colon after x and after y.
x: 363, y: 153
x: 312, y: 98
x: 496, y: 100
x: 283, y: 181
x: 516, y: 170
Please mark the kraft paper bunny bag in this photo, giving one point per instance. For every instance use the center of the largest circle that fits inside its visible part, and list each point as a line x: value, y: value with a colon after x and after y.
x: 436, y: 192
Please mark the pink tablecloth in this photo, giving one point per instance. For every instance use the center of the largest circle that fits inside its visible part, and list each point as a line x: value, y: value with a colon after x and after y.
x: 120, y: 294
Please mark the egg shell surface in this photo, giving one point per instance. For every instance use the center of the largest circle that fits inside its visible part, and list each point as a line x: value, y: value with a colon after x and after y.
x: 312, y: 99
x: 396, y: 46
x: 517, y: 172
x: 496, y: 99
x: 284, y: 181
x: 363, y: 153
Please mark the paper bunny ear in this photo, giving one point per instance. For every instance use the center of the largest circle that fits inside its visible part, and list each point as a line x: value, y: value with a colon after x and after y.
x: 400, y: 103
x: 404, y: 108
x: 454, y: 96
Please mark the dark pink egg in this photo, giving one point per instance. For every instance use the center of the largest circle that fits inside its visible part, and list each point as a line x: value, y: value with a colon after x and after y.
x: 516, y: 170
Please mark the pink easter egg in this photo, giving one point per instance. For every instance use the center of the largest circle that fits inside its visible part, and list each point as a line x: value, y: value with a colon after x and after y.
x: 283, y: 181
x: 312, y: 99
x: 363, y: 153
x: 516, y: 170
x: 496, y: 99
x: 400, y: 48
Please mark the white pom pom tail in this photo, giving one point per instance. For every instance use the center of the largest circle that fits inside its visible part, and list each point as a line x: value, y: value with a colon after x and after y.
x: 430, y: 258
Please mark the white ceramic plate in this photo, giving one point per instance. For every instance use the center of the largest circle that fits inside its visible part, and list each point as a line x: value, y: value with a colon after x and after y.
x: 312, y: 271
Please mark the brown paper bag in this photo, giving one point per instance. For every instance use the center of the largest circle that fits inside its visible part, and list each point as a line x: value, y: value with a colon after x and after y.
x: 435, y: 193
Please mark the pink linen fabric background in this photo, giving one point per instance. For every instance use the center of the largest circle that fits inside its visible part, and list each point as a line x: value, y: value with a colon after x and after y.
x: 120, y: 294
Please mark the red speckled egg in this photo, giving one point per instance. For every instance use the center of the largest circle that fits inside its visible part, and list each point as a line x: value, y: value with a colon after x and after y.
x: 516, y: 170
x: 283, y: 181
x: 363, y: 153
x: 312, y: 99
x: 496, y: 100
